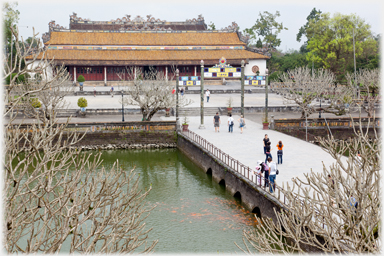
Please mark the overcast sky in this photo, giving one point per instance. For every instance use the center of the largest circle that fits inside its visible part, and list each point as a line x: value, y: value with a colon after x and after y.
x: 38, y: 14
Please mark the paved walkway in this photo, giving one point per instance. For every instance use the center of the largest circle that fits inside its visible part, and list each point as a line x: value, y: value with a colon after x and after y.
x: 216, y: 100
x: 299, y: 156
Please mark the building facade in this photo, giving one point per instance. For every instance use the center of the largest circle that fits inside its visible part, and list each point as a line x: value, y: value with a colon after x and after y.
x: 108, y: 50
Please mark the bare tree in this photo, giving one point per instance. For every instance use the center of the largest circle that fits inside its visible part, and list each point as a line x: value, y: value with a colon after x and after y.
x: 151, y: 91
x: 302, y: 86
x: 335, y: 211
x: 57, y: 196
x: 369, y: 85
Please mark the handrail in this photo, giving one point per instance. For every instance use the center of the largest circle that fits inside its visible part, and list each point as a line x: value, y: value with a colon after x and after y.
x: 242, y: 169
x: 234, y: 164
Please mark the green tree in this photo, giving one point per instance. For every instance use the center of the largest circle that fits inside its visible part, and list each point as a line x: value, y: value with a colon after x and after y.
x: 10, y: 18
x: 332, y: 43
x: 268, y: 28
x: 259, y: 43
x: 313, y: 16
x: 211, y: 26
x: 292, y: 60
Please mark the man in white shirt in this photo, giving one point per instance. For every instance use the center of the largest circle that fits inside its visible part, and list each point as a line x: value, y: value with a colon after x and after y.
x: 207, y: 93
x: 230, y: 123
x: 272, y: 175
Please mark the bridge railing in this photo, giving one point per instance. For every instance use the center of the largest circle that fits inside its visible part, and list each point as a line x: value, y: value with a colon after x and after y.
x: 240, y: 168
x: 245, y: 171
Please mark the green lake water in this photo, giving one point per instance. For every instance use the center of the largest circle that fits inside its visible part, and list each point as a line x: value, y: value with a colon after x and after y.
x: 193, y: 213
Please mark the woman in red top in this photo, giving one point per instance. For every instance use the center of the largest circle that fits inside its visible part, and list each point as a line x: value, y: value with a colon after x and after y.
x: 280, y: 152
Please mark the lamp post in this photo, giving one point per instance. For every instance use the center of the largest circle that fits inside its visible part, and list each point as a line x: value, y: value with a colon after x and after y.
x: 266, y: 94
x: 177, y: 101
x: 320, y: 108
x: 202, y: 96
x: 122, y: 105
x: 242, y: 87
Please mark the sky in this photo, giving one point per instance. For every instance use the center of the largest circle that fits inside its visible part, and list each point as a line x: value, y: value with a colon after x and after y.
x: 38, y: 14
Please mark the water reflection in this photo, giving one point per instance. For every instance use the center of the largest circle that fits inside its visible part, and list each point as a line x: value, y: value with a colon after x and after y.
x: 193, y: 213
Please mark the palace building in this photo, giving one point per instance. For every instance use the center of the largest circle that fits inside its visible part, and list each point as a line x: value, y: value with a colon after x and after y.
x: 100, y: 50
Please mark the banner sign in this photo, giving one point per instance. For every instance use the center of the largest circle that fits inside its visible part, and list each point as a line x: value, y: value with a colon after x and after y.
x: 254, y: 80
x: 254, y: 77
x: 222, y: 70
x: 189, y: 80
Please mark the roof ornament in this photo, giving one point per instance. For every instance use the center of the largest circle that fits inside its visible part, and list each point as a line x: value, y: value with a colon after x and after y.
x: 152, y: 19
x: 53, y: 26
x: 233, y: 27
x: 124, y: 19
x: 74, y: 17
x: 199, y: 18
x: 46, y: 37
x: 138, y: 18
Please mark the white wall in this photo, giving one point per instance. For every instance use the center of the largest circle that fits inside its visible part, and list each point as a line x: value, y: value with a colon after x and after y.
x: 47, y: 73
x: 262, y: 64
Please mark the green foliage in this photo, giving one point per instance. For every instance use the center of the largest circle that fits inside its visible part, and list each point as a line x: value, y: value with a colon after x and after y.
x: 268, y: 28
x: 35, y: 103
x: 211, y: 26
x: 19, y: 79
x: 82, y: 102
x: 313, y: 16
x: 292, y: 60
x: 10, y: 18
x: 332, y: 43
x: 81, y: 79
x: 259, y: 43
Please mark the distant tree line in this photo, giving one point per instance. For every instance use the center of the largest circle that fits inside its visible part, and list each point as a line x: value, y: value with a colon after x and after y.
x: 329, y: 44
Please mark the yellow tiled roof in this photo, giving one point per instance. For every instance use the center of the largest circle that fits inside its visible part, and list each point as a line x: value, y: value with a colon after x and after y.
x: 154, y: 55
x: 142, y: 38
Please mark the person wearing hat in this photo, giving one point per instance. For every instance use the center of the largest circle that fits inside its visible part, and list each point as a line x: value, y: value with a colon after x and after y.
x: 263, y: 168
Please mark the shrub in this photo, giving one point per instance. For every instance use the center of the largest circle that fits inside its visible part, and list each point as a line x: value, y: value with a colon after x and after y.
x: 35, y: 103
x: 80, y: 79
x: 82, y: 102
x: 20, y: 78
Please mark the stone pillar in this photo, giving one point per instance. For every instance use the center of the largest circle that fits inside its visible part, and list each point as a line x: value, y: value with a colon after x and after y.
x: 242, y: 88
x: 105, y: 76
x: 195, y: 70
x: 202, y: 96
x: 74, y: 74
x: 177, y: 101
x: 135, y: 72
x: 266, y: 94
x: 166, y: 73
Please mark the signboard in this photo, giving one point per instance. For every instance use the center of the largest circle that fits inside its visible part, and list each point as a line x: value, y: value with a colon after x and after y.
x: 189, y: 80
x: 254, y: 80
x: 222, y: 70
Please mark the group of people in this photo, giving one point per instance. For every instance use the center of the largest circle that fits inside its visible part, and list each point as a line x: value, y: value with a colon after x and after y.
x: 231, y: 123
x: 268, y: 167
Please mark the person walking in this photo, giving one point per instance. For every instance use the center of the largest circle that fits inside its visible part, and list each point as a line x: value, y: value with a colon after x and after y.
x: 230, y: 123
x: 272, y: 175
x: 207, y: 94
x: 216, y: 122
x: 112, y: 91
x: 182, y: 91
x: 242, y: 123
x: 268, y: 151
x: 94, y: 91
x: 265, y: 140
x: 280, y: 152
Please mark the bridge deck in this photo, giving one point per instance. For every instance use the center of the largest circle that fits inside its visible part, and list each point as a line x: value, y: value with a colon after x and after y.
x: 299, y: 157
